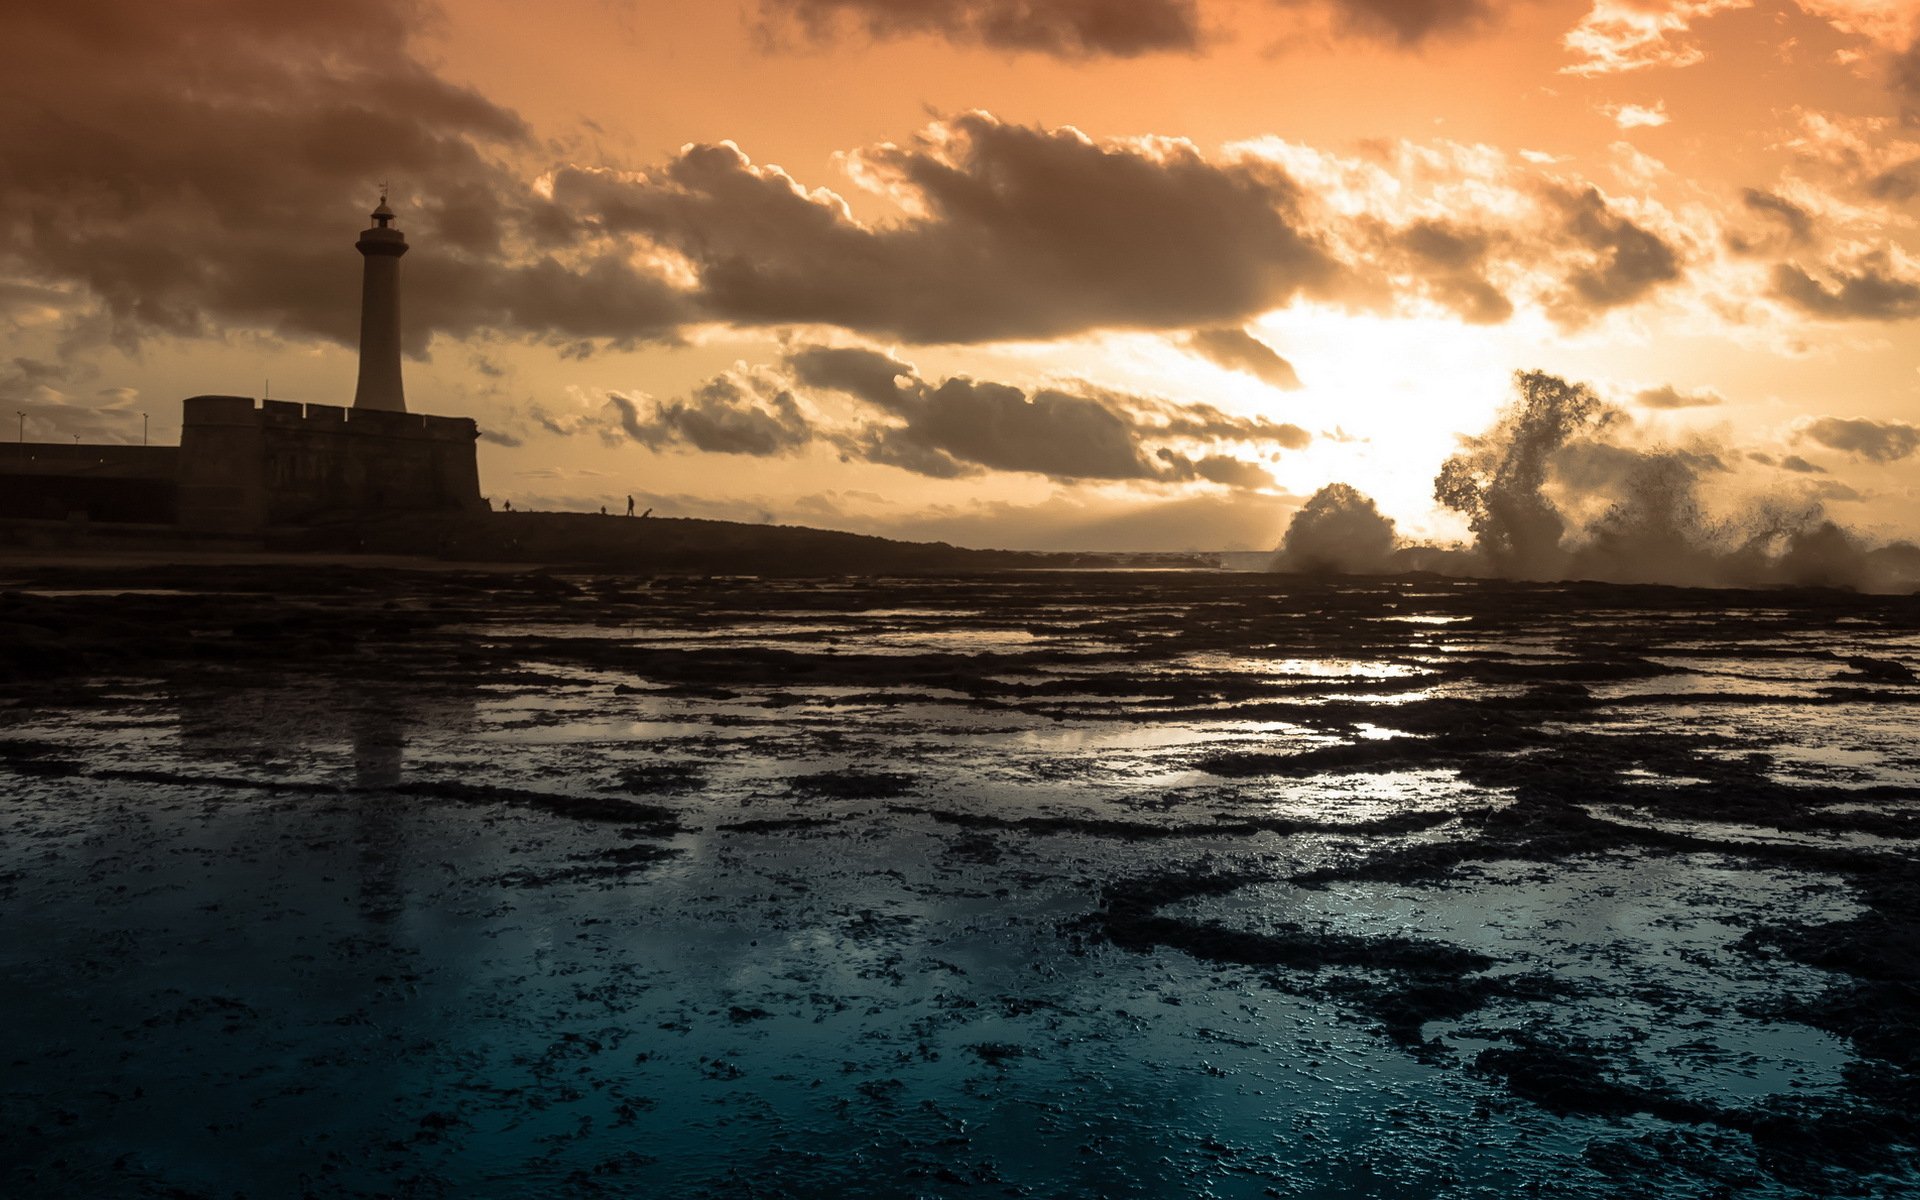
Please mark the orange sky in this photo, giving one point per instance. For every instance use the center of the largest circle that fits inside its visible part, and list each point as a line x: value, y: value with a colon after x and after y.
x: 1067, y: 274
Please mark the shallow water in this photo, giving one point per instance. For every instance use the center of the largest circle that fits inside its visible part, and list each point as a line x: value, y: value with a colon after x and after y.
x: 1105, y: 885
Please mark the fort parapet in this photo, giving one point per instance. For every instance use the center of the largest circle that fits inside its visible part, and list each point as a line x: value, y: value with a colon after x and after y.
x: 248, y: 465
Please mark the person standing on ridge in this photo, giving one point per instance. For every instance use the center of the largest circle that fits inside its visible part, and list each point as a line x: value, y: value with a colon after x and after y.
x: 629, y: 505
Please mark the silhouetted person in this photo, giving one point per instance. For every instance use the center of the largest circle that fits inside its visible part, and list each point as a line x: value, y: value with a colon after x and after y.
x: 647, y: 513
x: 508, y: 504
x: 630, y: 506
x: 603, y: 510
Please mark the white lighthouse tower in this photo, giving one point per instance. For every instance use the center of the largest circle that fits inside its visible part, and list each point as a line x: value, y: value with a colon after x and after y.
x: 382, y: 245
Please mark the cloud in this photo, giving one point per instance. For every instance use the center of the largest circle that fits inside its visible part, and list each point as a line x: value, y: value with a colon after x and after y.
x: 142, y: 204
x: 31, y: 380
x: 1867, y: 156
x: 1873, y: 287
x: 1668, y: 396
x: 1637, y: 116
x: 1887, y: 23
x: 1624, y: 260
x: 1631, y: 35
x: 1875, y: 441
x: 1064, y: 28
x: 1782, y: 224
x: 1013, y: 232
x: 1905, y: 78
x: 1237, y: 350
x: 1083, y: 29
x: 882, y: 381
x: 1233, y: 472
x: 1046, y: 432
x: 143, y: 211
x: 1404, y: 23
x: 1001, y: 231
x: 41, y: 404
x: 1897, y: 183
x: 1798, y: 221
x: 1477, y: 231
x: 734, y: 413
x: 1792, y: 462
x: 1070, y: 431
x: 1205, y: 422
x: 1451, y: 261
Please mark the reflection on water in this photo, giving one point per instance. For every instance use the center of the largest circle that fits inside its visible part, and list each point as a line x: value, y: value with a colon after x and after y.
x: 317, y: 730
x: 1309, y: 668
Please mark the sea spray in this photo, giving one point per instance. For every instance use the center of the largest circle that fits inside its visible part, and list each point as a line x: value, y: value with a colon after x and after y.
x: 1562, y: 487
x: 1338, y: 531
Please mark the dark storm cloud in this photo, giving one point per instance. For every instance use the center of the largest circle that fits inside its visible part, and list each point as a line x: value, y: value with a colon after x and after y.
x: 1794, y: 221
x: 1019, y: 232
x: 1450, y: 261
x: 1871, y: 290
x: 728, y: 414
x: 1897, y: 184
x: 1576, y: 252
x: 1067, y: 28
x: 1079, y: 29
x: 964, y: 423
x: 29, y: 378
x: 1205, y: 422
x: 1046, y: 432
x: 1668, y: 396
x: 901, y: 447
x: 1073, y: 431
x: 1905, y: 78
x: 1238, y: 350
x: 1875, y: 441
x: 1625, y: 261
x: 1406, y: 23
x: 204, y: 165
x: 141, y: 206
x: 1792, y: 462
x: 1233, y: 472
x: 867, y: 375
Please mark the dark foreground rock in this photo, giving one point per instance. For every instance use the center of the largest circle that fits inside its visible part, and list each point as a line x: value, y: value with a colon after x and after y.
x: 354, y: 880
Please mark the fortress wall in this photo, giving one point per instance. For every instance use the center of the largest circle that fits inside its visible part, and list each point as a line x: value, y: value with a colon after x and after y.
x: 222, y: 488
x: 247, y: 466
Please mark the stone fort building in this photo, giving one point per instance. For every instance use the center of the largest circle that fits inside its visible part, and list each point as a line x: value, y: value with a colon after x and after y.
x: 246, y: 466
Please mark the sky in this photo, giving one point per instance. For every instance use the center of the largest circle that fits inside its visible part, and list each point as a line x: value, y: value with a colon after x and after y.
x: 1052, y: 274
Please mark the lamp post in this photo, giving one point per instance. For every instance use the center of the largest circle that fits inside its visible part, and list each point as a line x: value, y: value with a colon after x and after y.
x: 143, y: 429
x: 23, y: 425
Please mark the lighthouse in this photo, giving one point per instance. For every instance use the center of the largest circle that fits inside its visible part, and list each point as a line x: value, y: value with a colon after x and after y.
x: 381, y: 245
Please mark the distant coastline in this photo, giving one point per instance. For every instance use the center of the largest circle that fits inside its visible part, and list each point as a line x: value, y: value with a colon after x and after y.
x: 665, y: 545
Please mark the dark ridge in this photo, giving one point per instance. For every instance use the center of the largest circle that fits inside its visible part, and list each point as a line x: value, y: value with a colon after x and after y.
x: 853, y: 785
